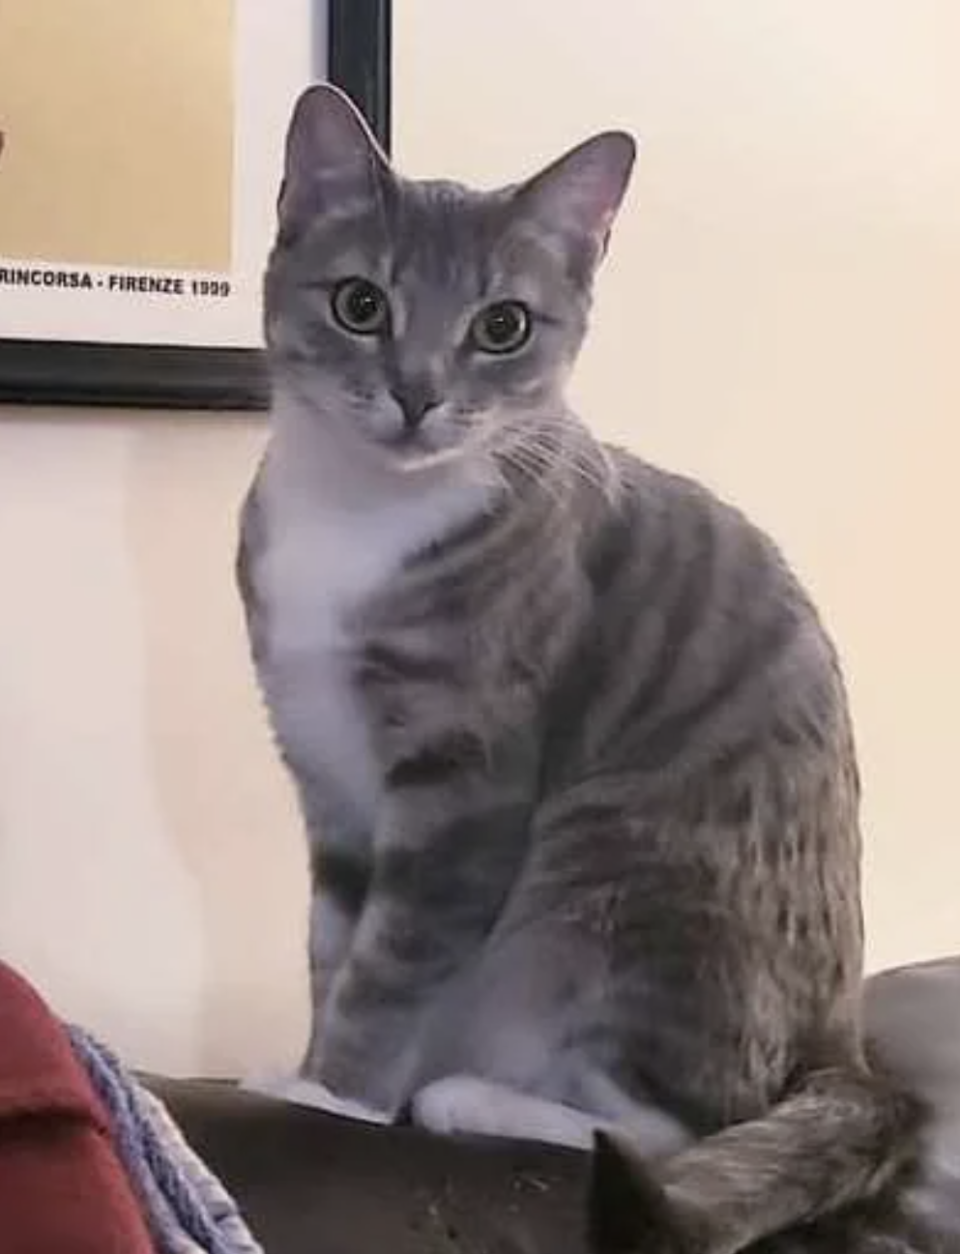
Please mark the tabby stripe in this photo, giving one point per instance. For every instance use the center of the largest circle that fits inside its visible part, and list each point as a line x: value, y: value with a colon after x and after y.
x: 343, y: 876
x: 383, y: 980
x: 426, y: 882
x: 586, y: 684
x: 483, y: 554
x: 439, y: 761
x: 472, y: 533
x: 667, y: 738
x: 684, y: 619
x: 383, y: 662
x: 610, y: 550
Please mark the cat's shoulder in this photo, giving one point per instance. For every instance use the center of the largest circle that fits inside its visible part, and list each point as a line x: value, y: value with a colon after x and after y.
x: 686, y: 512
x: 646, y: 486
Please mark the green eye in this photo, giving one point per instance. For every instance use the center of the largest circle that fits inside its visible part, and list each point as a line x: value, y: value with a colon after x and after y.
x: 360, y: 307
x: 503, y: 327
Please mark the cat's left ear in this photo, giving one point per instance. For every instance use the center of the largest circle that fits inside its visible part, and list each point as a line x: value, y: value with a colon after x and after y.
x: 332, y: 160
x: 579, y: 194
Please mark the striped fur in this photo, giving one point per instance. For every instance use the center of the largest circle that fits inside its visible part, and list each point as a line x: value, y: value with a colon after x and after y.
x: 571, y: 743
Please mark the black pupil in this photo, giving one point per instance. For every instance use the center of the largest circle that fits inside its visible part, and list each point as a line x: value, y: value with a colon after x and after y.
x: 503, y: 324
x: 363, y: 304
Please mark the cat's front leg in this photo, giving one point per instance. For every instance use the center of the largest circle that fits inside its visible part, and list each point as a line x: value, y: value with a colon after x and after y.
x: 446, y: 855
x: 340, y: 873
x: 341, y: 867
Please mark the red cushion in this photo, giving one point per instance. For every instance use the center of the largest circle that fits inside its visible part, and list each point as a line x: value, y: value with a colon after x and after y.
x: 62, y: 1188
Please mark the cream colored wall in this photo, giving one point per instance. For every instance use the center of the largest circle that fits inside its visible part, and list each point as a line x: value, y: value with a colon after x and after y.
x: 151, y: 873
x: 777, y: 316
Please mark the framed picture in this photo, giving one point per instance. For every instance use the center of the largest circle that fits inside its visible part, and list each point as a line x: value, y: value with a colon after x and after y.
x: 140, y: 156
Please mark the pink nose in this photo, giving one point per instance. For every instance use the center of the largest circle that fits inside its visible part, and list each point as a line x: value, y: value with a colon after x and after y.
x: 415, y: 403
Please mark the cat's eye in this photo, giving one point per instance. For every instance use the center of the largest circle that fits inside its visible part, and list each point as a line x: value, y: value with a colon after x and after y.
x: 360, y: 307
x: 503, y: 327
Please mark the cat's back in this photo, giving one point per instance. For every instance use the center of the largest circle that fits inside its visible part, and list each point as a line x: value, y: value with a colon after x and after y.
x: 701, y: 637
x: 677, y: 530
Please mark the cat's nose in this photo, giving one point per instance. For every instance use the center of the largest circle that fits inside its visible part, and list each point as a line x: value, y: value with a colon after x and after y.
x: 415, y: 401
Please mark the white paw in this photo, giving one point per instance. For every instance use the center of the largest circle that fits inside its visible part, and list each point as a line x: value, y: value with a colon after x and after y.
x: 467, y: 1104
x: 302, y: 1092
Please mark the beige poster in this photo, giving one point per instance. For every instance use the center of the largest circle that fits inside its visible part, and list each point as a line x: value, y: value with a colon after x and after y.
x: 117, y: 119
x: 142, y: 152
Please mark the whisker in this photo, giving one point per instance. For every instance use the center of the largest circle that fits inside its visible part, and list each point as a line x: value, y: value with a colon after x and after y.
x: 526, y: 463
x: 595, y: 460
x: 573, y: 458
x: 553, y: 451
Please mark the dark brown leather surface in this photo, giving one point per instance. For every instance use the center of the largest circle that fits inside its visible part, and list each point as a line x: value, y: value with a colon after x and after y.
x: 312, y: 1183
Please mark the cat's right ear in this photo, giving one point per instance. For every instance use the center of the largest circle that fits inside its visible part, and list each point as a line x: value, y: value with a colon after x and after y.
x: 578, y: 196
x: 332, y: 160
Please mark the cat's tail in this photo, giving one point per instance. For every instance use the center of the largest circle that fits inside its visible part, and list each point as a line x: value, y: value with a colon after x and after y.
x: 840, y: 1139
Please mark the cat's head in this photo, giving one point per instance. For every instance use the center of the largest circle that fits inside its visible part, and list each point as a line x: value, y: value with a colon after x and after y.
x: 423, y: 319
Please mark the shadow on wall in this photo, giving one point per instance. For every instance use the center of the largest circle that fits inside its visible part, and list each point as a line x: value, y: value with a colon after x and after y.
x: 224, y: 800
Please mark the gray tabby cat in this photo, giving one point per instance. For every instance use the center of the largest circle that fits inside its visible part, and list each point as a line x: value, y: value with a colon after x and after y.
x: 571, y: 746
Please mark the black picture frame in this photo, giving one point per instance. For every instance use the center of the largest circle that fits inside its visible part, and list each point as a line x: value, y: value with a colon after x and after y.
x: 55, y: 372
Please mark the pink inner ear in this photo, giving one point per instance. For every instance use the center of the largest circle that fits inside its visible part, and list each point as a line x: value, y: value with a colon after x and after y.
x: 605, y: 220
x: 328, y: 131
x: 584, y: 188
x: 608, y: 163
x: 329, y: 149
x: 599, y: 195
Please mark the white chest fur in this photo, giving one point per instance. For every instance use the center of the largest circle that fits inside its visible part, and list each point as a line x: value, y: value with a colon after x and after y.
x: 325, y: 556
